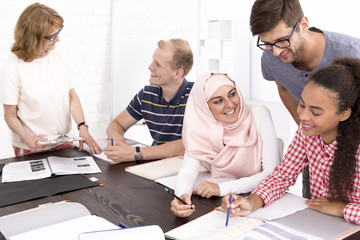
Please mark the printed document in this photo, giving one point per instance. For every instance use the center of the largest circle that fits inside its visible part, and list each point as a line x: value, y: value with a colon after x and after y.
x: 43, y: 168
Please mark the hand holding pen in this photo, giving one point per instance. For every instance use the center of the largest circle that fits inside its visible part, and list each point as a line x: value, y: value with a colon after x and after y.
x: 241, y: 206
x: 228, y: 211
x: 181, y: 206
x: 119, y: 151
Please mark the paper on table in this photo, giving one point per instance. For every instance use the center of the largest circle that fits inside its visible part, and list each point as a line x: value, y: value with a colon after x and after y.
x: 286, y: 205
x: 212, y: 226
x: 103, y: 143
x: 103, y: 157
x: 279, y: 232
x: 152, y: 232
x: 170, y: 181
x: 26, y: 170
x: 68, y: 230
x: 78, y: 165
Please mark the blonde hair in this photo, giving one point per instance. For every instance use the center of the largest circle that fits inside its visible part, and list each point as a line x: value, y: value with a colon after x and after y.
x: 183, y: 56
x: 34, y: 23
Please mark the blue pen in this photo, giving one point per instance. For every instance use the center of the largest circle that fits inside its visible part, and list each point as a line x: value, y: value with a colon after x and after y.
x: 123, y: 225
x: 228, y: 212
x: 112, y: 142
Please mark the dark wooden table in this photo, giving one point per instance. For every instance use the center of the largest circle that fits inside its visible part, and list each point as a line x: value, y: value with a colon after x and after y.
x: 133, y: 200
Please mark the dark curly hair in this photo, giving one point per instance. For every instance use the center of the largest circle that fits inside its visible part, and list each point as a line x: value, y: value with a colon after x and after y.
x: 342, y: 78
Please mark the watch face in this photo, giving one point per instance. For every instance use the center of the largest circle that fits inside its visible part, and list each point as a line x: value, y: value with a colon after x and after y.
x: 138, y: 155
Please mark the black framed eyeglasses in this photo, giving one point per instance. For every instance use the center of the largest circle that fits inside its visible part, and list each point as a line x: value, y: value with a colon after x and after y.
x: 285, y: 43
x: 52, y: 37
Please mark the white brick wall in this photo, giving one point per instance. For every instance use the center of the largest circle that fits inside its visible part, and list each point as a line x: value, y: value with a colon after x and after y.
x: 85, y: 43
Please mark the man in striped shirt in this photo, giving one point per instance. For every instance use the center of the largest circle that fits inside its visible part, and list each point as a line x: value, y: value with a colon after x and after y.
x: 161, y: 104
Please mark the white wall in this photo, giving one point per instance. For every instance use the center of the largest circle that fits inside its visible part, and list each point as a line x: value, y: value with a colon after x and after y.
x: 137, y: 27
x: 85, y: 43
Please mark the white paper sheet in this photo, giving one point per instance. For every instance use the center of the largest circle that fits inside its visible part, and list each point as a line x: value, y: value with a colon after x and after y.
x: 212, y: 226
x: 77, y: 165
x: 69, y: 230
x: 286, y: 205
x: 152, y: 232
x: 103, y: 143
x: 170, y: 182
x: 26, y: 170
x: 103, y: 157
x: 271, y: 230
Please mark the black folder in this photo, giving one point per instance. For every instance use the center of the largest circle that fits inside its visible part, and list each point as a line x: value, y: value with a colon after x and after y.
x: 16, y: 192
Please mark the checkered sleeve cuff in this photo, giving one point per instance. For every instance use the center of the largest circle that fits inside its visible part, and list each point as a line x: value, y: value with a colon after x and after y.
x: 352, y: 213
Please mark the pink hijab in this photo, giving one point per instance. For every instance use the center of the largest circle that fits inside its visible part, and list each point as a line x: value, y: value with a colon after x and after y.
x: 232, y: 150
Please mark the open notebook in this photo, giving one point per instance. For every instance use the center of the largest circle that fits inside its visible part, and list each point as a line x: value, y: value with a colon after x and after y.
x: 287, y: 218
x: 47, y: 167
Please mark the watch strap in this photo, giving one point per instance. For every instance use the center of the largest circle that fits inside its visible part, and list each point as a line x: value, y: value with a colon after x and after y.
x: 80, y: 124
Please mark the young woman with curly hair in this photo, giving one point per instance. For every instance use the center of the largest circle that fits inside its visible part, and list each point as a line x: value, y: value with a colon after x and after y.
x: 327, y: 140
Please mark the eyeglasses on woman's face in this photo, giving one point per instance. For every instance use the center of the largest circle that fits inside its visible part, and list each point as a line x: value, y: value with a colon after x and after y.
x: 284, y: 43
x: 52, y: 37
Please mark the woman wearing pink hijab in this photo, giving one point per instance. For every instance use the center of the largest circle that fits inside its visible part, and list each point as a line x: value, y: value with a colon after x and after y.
x: 223, y: 135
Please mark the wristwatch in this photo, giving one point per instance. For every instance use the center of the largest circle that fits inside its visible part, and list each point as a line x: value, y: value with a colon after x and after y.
x: 80, y: 124
x: 138, y: 155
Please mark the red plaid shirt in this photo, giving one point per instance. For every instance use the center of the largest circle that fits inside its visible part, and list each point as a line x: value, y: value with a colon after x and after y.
x: 313, y: 151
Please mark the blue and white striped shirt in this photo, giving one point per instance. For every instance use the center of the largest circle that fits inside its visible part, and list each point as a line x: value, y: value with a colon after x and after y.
x: 164, y: 119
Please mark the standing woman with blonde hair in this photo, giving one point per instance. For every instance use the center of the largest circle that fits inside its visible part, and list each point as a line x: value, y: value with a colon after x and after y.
x: 36, y: 91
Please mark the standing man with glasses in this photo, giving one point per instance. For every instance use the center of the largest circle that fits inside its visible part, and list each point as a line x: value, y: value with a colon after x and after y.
x: 293, y: 51
x: 36, y: 90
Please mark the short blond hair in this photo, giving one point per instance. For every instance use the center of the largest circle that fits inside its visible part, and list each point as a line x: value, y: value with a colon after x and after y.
x: 183, y: 56
x: 34, y: 23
